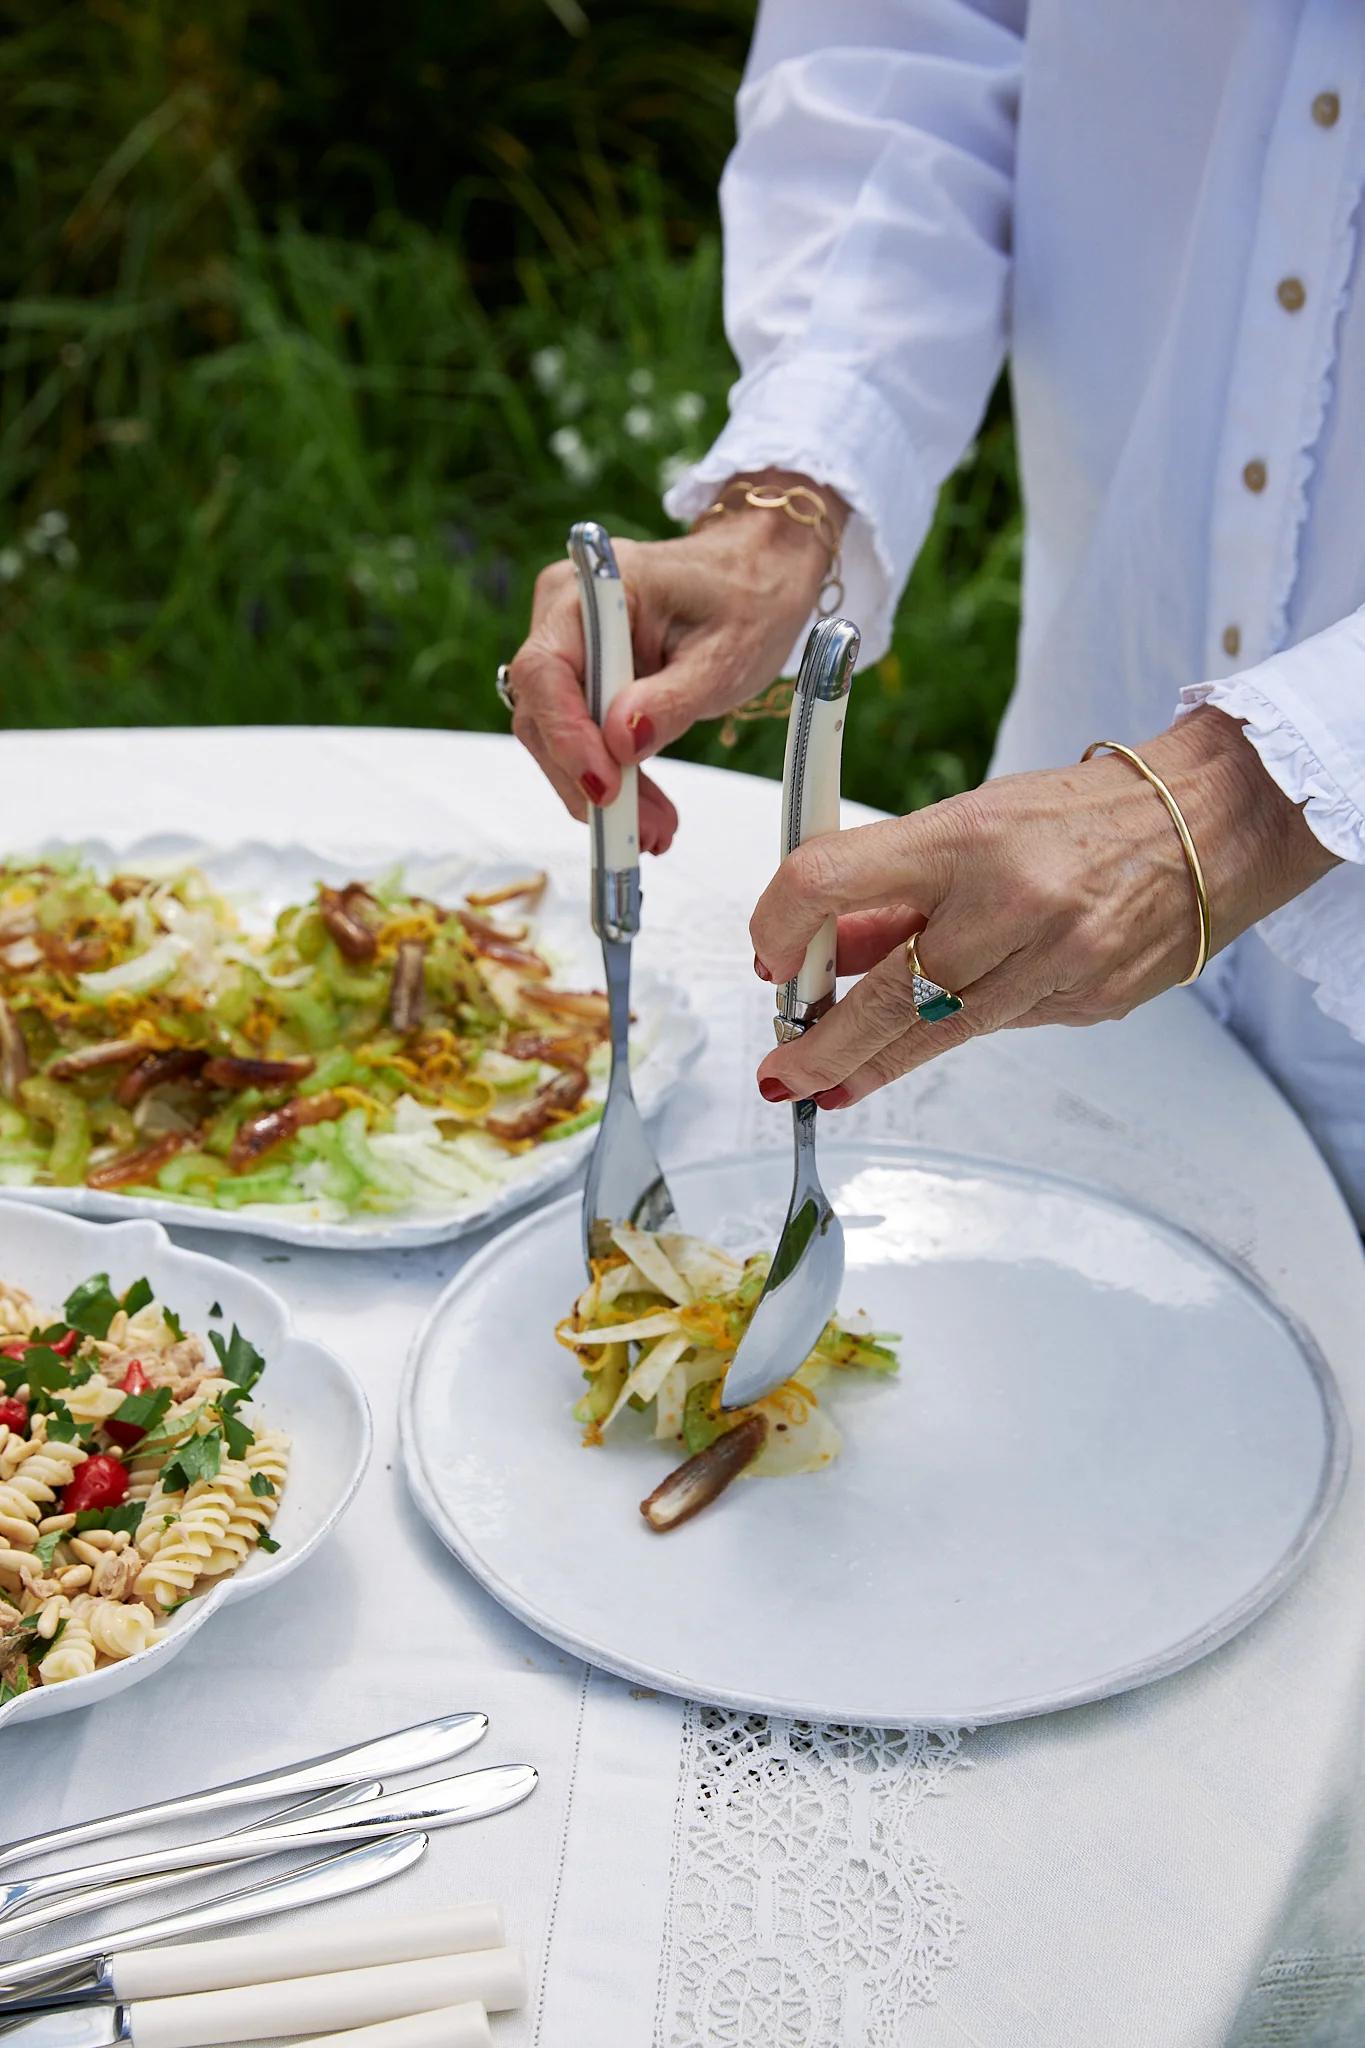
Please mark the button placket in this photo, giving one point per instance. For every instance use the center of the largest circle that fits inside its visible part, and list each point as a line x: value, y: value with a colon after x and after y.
x: 1285, y: 341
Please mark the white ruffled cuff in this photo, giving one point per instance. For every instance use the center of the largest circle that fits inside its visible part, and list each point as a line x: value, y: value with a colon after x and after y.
x: 827, y: 421
x: 1320, y: 934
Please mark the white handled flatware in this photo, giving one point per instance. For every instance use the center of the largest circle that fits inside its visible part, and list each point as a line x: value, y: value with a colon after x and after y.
x: 419, y: 1748
x: 625, y: 1182
x: 494, y: 1978
x: 449, y: 2026
x: 79, y: 1972
x: 148, y: 1962
x: 802, y: 1288
x: 446, y: 1802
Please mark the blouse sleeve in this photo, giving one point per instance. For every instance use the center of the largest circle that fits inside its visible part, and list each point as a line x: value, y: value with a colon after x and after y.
x: 866, y: 209
x: 1304, y: 712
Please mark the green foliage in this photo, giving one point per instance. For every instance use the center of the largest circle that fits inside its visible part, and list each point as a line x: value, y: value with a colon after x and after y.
x: 323, y: 325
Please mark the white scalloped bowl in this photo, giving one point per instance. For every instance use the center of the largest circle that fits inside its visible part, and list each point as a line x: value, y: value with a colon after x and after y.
x: 305, y: 1390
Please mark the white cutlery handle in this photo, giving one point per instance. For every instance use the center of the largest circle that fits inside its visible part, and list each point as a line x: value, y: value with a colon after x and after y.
x: 494, y: 1978
x: 810, y: 790
x: 610, y: 666
x: 302, y: 1952
x: 453, y: 2026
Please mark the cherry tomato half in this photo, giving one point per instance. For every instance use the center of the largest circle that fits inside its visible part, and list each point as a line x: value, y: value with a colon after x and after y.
x: 101, y: 1482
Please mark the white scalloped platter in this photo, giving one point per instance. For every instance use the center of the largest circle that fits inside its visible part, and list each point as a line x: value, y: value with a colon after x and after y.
x: 305, y: 1390
x: 666, y: 1037
x: 1106, y: 1451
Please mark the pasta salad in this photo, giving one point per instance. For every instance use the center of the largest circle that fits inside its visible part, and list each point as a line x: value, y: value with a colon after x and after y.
x: 655, y: 1331
x: 132, y: 1474
x: 369, y: 1051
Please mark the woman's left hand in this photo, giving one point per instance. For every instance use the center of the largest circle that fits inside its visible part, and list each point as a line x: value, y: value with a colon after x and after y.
x: 1060, y: 897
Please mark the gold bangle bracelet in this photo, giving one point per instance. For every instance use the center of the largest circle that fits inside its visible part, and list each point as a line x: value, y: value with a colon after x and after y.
x: 1201, y: 894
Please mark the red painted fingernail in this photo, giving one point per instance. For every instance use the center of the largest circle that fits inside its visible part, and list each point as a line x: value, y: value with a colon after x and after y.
x: 834, y: 1098
x: 774, y: 1091
x: 760, y: 970
x: 641, y: 729
x: 593, y: 787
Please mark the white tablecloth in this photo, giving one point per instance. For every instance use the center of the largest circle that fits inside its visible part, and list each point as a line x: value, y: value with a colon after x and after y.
x: 1178, y: 1868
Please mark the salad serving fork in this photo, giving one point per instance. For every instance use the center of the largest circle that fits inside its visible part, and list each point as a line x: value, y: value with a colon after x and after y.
x: 625, y: 1182
x: 802, y: 1288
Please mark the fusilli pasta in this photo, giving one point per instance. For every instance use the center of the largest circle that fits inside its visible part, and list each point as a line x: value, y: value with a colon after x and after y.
x: 130, y: 1474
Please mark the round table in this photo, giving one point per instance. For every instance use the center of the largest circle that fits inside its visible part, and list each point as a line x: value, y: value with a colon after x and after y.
x: 1178, y: 1867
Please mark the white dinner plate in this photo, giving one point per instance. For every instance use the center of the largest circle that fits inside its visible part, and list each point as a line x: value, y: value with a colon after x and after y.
x: 1105, y: 1453
x: 304, y: 1389
x: 666, y: 1035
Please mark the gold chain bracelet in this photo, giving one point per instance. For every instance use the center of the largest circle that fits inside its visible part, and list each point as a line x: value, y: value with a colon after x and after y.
x: 1192, y: 862
x: 807, y: 508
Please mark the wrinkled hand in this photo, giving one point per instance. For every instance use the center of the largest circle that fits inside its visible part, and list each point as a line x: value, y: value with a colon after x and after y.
x: 1054, y: 898
x: 713, y: 616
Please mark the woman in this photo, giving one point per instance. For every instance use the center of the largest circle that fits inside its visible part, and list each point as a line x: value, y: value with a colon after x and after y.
x: 1155, y: 207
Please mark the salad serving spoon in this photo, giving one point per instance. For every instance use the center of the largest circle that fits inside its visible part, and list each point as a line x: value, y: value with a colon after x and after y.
x: 625, y: 1182
x: 802, y: 1288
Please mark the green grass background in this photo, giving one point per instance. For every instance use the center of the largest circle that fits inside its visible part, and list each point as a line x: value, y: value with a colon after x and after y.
x: 323, y: 321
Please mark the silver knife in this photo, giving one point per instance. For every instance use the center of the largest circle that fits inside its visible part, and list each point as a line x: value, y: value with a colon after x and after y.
x: 446, y: 1802
x: 625, y: 1182
x: 802, y: 1288
x: 78, y: 1972
x: 418, y: 1748
x: 122, y: 1893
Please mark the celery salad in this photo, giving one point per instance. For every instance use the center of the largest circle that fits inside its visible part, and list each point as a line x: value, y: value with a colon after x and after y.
x: 370, y: 1051
x: 654, y: 1333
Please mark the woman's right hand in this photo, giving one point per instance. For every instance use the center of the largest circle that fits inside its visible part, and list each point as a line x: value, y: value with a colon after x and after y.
x: 713, y: 616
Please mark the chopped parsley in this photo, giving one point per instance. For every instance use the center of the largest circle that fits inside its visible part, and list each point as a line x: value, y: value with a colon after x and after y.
x: 41, y: 1368
x: 92, y: 1306
x: 127, y: 1515
x: 138, y: 1296
x: 236, y: 1434
x: 173, y: 1322
x: 45, y: 1549
x: 242, y: 1363
x: 262, y: 1487
x: 267, y: 1542
x: 200, y: 1458
x: 143, y: 1411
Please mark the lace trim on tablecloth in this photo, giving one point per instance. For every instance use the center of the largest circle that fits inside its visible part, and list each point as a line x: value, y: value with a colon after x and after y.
x: 801, y: 1913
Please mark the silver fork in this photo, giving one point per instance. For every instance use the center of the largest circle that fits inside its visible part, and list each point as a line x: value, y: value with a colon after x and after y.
x: 802, y: 1288
x: 625, y: 1181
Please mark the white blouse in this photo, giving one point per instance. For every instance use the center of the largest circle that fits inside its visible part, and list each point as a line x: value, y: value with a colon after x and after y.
x: 1154, y: 205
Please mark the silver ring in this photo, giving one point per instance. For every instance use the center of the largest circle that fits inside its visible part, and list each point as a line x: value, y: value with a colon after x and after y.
x: 503, y: 687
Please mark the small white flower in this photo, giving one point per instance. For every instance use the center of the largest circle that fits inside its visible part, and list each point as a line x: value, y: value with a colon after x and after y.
x: 402, y: 549
x: 547, y: 367
x: 639, y: 422
x: 66, y: 554
x: 641, y: 382
x: 568, y: 444
x: 688, y: 408
x: 671, y: 469
x: 11, y: 564
x: 362, y: 576
x: 51, y: 525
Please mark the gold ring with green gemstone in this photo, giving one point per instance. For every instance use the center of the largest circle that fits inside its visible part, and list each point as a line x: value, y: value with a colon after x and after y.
x: 932, y: 1001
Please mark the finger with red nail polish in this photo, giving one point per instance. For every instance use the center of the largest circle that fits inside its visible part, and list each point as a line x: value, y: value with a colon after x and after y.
x: 773, y: 1090
x: 593, y: 787
x: 834, y: 1098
